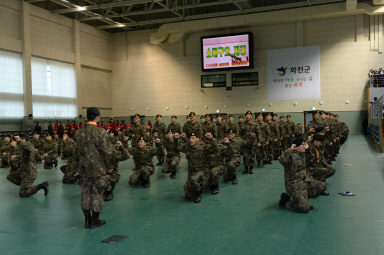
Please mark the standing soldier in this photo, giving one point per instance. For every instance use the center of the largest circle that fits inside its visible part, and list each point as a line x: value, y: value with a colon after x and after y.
x: 158, y: 131
x: 135, y: 132
x: 172, y: 159
x: 93, y: 154
x: 144, y: 168
x: 275, y: 137
x: 251, y: 135
x: 284, y: 134
x: 209, y: 126
x: 291, y: 128
x: 191, y: 126
x: 27, y: 169
x: 174, y: 126
x: 221, y: 128
x: 263, y: 142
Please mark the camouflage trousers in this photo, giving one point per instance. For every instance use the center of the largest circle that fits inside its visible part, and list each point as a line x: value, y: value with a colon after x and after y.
x: 314, y: 187
x: 160, y: 152
x: 4, y: 160
x: 37, y: 156
x: 230, y: 172
x: 214, y: 175
x: 69, y: 174
x: 141, y: 175
x: 170, y: 164
x: 92, y: 193
x: 298, y: 194
x: 49, y: 161
x: 248, y: 155
x: 25, y: 180
x: 275, y: 149
x: 261, y: 152
x: 112, y: 179
x: 321, y: 173
x: 195, y: 184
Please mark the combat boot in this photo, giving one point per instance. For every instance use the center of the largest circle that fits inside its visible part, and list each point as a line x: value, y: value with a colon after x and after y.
x: 245, y: 170
x: 284, y: 198
x: 173, y: 176
x: 88, y: 219
x: 147, y: 185
x: 215, y: 190
x: 250, y: 169
x: 235, y: 181
x: 44, y: 186
x: 96, y: 221
x: 269, y: 160
x: 55, y: 163
x: 108, y: 196
x: 197, y: 198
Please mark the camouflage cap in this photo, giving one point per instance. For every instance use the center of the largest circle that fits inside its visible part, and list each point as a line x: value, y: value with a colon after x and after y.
x: 137, y: 115
x: 207, y: 115
x: 241, y: 117
x: 192, y: 114
x: 298, y: 141
x: 193, y: 134
x: 248, y: 112
x: 141, y: 139
x: 169, y: 131
x: 174, y: 116
x: 288, y: 116
x: 275, y: 114
x: 159, y: 115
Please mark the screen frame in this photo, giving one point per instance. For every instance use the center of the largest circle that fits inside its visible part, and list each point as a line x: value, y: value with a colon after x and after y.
x: 250, y: 42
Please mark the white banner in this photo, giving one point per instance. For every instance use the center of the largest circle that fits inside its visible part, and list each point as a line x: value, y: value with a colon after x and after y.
x: 293, y: 73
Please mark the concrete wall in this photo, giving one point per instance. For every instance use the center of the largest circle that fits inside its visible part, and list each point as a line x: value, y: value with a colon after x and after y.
x: 33, y: 31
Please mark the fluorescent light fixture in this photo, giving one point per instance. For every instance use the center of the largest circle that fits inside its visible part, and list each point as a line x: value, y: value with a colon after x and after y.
x: 313, y: 108
x: 263, y: 110
x: 218, y: 111
x: 80, y: 8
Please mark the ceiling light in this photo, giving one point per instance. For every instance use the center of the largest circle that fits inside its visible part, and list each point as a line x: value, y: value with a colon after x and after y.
x: 80, y: 8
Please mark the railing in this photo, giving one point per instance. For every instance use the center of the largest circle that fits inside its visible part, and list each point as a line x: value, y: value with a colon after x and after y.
x: 375, y: 123
x: 376, y: 80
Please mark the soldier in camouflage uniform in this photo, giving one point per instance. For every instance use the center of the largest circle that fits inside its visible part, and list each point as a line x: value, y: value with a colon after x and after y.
x: 221, y: 128
x: 14, y: 163
x: 316, y: 122
x: 172, y: 159
x: 27, y: 169
x: 209, y: 127
x: 174, y: 126
x: 262, y: 144
x: 275, y: 137
x: 38, y: 144
x: 291, y: 129
x: 158, y: 131
x: 298, y: 189
x: 317, y: 166
x: 93, y: 155
x: 269, y: 148
x: 4, y: 150
x: 251, y: 135
x: 233, y: 159
x: 70, y: 169
x: 216, y: 158
x: 49, y: 152
x: 136, y: 131
x: 283, y: 134
x: 192, y: 126
x: 144, y: 168
x: 57, y: 141
x: 198, y: 163
x: 232, y: 125
x: 120, y: 153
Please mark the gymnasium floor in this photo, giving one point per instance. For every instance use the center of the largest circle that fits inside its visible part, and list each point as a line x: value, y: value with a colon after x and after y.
x: 242, y: 219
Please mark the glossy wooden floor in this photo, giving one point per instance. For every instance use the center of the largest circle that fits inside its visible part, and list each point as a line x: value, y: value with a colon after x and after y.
x: 242, y: 219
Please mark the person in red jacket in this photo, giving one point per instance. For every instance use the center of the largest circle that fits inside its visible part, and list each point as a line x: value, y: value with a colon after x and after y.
x: 108, y: 126
x: 100, y: 124
x: 149, y: 125
x: 75, y: 127
x: 68, y: 126
x: 123, y: 125
x: 56, y: 128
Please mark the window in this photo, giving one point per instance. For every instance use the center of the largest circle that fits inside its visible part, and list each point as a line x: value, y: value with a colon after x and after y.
x: 53, y: 89
x: 11, y: 85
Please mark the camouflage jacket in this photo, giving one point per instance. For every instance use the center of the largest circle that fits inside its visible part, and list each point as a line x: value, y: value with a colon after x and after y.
x: 93, y: 152
x: 314, y: 159
x: 248, y: 128
x: 67, y: 149
x: 160, y: 129
x: 197, y: 155
x: 233, y: 126
x: 264, y: 131
x: 38, y: 144
x: 236, y: 143
x: 14, y: 158
x: 221, y: 130
x: 295, y: 171
x: 144, y: 155
x: 50, y: 147
x: 291, y: 128
x: 275, y: 130
x: 315, y: 124
x: 27, y: 164
x: 283, y: 129
x: 193, y: 127
x: 5, y: 148
x: 175, y: 127
x: 136, y: 131
x: 209, y: 127
x: 119, y: 154
x: 172, y: 147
